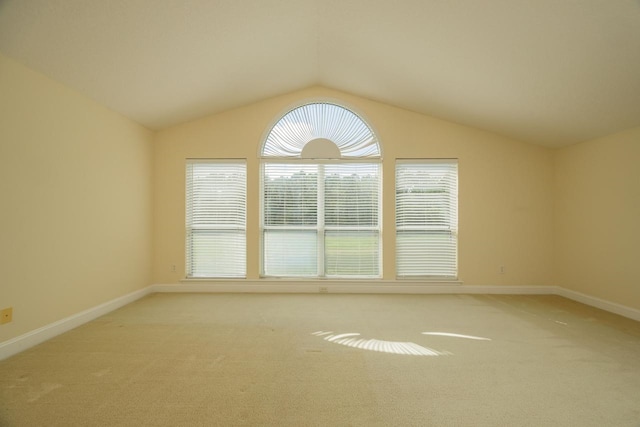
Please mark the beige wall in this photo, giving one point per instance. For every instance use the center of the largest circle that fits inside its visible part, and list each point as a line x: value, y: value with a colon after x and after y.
x: 506, y: 202
x: 597, y: 211
x: 75, y: 197
x: 85, y: 192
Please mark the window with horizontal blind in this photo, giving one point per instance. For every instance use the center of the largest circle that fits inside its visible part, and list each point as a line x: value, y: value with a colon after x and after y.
x: 321, y: 195
x: 216, y: 218
x: 321, y: 219
x: 427, y: 218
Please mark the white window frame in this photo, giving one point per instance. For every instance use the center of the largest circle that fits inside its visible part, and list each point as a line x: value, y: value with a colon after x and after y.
x: 320, y: 133
x: 427, y: 259
x: 227, y: 260
x: 320, y: 228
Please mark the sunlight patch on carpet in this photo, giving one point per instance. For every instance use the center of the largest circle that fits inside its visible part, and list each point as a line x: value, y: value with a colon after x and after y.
x: 352, y: 339
x: 448, y: 334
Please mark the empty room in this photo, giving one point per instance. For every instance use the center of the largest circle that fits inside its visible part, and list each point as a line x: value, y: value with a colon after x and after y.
x: 320, y: 213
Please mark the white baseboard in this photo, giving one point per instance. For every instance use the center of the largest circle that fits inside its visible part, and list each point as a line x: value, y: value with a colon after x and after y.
x: 346, y: 287
x: 602, y: 304
x: 388, y: 287
x: 30, y: 339
x: 37, y: 336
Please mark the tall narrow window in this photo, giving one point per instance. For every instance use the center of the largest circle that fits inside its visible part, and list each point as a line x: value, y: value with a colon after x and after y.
x: 427, y: 218
x: 216, y: 218
x: 290, y: 238
x: 321, y: 195
x: 352, y: 219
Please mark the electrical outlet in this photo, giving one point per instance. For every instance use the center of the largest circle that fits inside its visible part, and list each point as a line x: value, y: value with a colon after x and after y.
x: 502, y: 269
x: 6, y: 315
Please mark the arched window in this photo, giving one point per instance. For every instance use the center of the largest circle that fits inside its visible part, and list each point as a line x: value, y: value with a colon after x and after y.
x: 304, y: 129
x: 321, y: 195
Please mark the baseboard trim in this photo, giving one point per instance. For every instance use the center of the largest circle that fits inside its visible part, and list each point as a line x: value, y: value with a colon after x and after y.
x: 37, y: 336
x: 22, y: 342
x: 348, y: 287
x: 600, y: 303
x: 390, y: 287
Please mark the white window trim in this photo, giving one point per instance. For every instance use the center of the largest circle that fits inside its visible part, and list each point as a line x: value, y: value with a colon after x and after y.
x: 241, y: 271
x: 453, y: 225
x: 320, y: 228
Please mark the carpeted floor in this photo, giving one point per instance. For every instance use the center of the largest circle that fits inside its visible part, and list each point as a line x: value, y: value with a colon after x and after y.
x: 332, y: 360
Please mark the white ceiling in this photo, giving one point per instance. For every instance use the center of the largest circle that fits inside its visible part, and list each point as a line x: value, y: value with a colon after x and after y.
x: 551, y: 72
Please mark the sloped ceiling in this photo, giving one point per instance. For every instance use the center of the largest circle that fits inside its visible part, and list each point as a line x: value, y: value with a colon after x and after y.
x: 550, y: 72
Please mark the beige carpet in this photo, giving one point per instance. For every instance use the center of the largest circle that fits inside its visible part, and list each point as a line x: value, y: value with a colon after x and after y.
x: 332, y: 360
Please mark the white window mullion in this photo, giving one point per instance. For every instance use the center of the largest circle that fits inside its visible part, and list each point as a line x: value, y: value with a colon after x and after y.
x: 321, y: 223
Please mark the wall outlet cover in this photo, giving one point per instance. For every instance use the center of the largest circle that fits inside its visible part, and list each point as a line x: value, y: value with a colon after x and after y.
x: 6, y: 315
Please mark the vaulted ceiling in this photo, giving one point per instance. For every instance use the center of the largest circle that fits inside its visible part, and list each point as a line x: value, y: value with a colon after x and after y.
x: 550, y: 72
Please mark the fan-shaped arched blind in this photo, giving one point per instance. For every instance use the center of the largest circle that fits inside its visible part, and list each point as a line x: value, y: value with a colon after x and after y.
x: 310, y: 122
